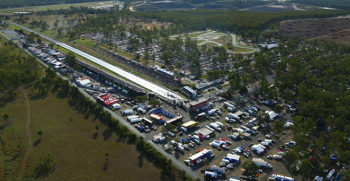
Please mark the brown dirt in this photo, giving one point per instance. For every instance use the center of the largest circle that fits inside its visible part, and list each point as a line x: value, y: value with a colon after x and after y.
x: 336, y: 30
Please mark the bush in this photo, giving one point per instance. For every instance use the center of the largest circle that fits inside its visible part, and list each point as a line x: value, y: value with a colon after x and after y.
x: 45, y: 166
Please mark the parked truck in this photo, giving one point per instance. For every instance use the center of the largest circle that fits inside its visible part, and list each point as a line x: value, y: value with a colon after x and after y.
x: 200, y: 116
x: 135, y: 120
x: 211, y: 111
x: 275, y: 177
x: 127, y: 112
x: 129, y: 118
x: 215, y: 127
x: 262, y: 163
x: 277, y: 157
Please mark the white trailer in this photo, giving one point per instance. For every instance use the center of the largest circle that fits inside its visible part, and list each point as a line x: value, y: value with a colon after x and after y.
x: 232, y: 116
x: 252, y: 120
x: 219, y: 123
x: 255, y: 128
x: 215, y: 126
x: 247, y: 135
x: 129, y: 118
x: 277, y: 157
x: 115, y: 106
x: 245, y: 128
x: 261, y: 163
x: 240, y: 130
x: 330, y: 174
x: 127, y: 112
x: 135, y: 120
x: 235, y: 136
x: 230, y: 107
x: 275, y: 177
x: 212, y: 111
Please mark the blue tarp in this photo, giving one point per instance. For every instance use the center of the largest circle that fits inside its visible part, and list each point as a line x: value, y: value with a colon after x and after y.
x: 161, y: 111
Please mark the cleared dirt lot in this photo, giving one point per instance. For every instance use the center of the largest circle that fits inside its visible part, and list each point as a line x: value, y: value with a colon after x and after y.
x: 342, y: 37
x: 336, y: 29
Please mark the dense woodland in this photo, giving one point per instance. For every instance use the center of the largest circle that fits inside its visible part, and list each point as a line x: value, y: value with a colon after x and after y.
x: 244, y: 23
x: 200, y: 4
x: 248, y: 24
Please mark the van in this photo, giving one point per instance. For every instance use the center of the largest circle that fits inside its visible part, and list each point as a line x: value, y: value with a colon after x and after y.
x: 171, y: 134
x: 277, y: 157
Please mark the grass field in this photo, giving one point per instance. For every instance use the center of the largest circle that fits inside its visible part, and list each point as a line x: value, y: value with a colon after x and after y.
x: 54, y: 7
x: 211, y: 39
x: 70, y: 138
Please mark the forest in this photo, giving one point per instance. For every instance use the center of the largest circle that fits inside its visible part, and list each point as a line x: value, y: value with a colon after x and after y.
x: 201, y: 4
x: 247, y: 24
x: 244, y: 23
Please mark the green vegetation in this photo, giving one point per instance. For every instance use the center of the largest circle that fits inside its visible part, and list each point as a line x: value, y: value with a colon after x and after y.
x: 244, y: 23
x: 202, y: 4
x: 45, y: 166
x: 21, y: 3
x: 68, y: 120
x: 250, y: 168
x: 15, y: 69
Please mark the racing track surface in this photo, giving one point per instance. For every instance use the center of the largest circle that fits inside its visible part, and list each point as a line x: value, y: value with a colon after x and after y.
x: 167, y: 94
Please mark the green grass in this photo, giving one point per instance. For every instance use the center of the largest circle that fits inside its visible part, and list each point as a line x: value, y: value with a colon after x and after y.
x: 223, y: 39
x: 241, y: 50
x: 68, y: 137
x: 210, y: 45
x: 85, y: 42
x: 52, y: 7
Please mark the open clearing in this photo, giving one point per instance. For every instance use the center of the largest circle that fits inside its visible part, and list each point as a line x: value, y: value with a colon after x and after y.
x: 78, y: 151
x: 336, y: 29
x: 213, y: 38
x: 100, y: 4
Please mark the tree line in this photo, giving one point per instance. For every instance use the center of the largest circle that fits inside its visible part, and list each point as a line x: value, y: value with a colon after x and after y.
x: 16, y: 69
x: 51, y: 82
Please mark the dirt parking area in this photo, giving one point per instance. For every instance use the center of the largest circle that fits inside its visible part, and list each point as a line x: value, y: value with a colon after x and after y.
x: 336, y: 29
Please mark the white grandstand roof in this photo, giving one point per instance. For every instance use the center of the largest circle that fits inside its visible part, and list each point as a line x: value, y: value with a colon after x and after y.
x: 129, y: 76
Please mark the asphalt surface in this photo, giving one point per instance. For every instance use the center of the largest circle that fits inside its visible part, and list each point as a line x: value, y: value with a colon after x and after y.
x: 163, y: 92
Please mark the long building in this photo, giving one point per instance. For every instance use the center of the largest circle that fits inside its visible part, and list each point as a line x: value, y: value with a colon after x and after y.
x: 129, y: 76
x: 162, y: 92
